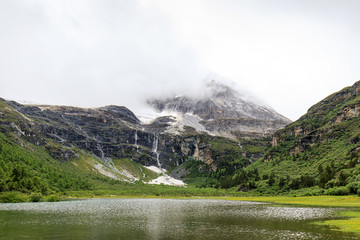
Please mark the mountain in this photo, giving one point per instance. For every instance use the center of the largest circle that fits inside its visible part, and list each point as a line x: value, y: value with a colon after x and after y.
x: 320, y: 151
x: 59, y: 148
x: 111, y: 142
x: 203, y: 141
x: 220, y: 110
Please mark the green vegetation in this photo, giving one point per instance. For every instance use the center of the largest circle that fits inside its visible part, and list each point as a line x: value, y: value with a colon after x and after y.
x: 317, y: 155
x: 13, y: 197
x: 231, y: 158
x: 349, y: 222
x: 137, y: 170
x: 34, y: 170
x: 30, y: 174
x: 320, y: 201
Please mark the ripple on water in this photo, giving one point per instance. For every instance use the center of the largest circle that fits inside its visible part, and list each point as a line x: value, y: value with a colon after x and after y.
x: 175, y: 219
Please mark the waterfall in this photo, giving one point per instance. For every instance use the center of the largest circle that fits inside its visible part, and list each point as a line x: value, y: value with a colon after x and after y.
x: 136, y: 145
x: 155, y: 149
x: 240, y: 145
x: 164, y: 178
x: 108, y: 161
x: 101, y: 151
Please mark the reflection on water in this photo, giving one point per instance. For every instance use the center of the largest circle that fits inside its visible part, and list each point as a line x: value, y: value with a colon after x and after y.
x: 162, y: 219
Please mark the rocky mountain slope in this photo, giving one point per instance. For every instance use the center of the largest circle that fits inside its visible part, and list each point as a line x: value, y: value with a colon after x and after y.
x: 220, y: 110
x: 112, y: 142
x: 117, y: 145
x: 320, y: 151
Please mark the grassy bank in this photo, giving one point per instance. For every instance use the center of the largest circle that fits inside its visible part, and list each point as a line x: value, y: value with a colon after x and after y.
x: 348, y: 221
x: 321, y: 201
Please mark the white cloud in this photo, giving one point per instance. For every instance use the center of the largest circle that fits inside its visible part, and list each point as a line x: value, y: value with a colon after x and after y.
x: 90, y: 53
x: 96, y: 52
x: 290, y: 53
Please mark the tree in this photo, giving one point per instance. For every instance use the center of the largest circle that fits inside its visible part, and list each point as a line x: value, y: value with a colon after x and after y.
x: 271, y: 180
x: 282, y: 182
x: 306, y: 181
x: 17, y: 173
x: 295, y: 184
x: 341, y: 179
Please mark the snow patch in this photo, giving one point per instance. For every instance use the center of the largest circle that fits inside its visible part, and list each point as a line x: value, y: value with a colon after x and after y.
x: 167, y: 180
x: 146, y: 116
x: 164, y: 179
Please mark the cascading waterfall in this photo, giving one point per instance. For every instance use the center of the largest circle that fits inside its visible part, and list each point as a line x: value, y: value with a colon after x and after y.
x: 101, y: 151
x: 250, y: 159
x: 108, y: 161
x: 136, y: 139
x: 155, y: 150
x: 164, y: 179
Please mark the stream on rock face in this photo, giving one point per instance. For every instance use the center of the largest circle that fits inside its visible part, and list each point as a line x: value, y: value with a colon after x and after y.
x: 155, y: 150
x: 164, y: 178
x: 136, y: 144
x: 164, y: 219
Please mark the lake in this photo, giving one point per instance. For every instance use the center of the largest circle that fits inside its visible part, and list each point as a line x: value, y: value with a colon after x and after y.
x: 163, y: 219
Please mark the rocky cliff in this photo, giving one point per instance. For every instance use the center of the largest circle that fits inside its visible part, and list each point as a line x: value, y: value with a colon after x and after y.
x: 114, y: 132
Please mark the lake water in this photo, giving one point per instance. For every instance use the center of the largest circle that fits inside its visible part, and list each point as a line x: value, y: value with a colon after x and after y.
x: 163, y: 219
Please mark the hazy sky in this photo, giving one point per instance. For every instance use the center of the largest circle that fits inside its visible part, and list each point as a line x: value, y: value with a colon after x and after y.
x: 290, y: 53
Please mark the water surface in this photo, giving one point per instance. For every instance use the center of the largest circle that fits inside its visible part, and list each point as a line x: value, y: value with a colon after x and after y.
x: 163, y: 219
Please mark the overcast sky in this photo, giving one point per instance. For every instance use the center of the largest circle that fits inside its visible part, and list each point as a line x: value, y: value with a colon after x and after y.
x: 289, y: 53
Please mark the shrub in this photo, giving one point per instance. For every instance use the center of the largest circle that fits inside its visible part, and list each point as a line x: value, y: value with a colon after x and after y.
x: 353, y: 187
x: 12, y: 197
x: 35, y: 197
x: 338, y: 191
x: 53, y: 198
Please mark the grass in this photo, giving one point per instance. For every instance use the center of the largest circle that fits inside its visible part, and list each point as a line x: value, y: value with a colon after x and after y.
x: 350, y: 222
x: 320, y: 201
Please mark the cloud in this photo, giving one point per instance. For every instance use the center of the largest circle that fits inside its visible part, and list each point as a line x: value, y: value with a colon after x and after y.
x: 90, y: 53
x: 291, y: 54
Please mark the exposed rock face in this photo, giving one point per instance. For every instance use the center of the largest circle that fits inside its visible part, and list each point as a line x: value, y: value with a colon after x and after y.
x: 106, y: 132
x: 223, y: 111
x: 114, y: 132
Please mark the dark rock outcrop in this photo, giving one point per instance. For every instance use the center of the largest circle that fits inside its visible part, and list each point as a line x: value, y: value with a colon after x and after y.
x: 107, y: 132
